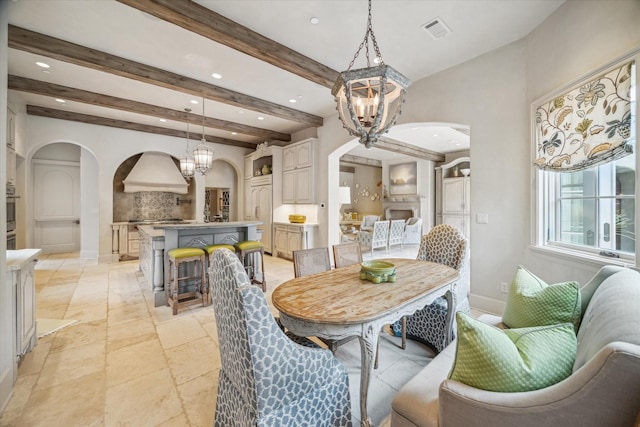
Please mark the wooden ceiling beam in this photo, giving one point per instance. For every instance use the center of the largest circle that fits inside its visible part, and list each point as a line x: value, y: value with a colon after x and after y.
x: 203, y: 21
x: 357, y: 160
x: 35, y: 110
x: 24, y: 84
x: 393, y: 145
x: 51, y: 47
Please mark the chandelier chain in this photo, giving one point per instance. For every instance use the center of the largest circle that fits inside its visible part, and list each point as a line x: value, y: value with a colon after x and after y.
x: 365, y: 44
x: 188, y: 110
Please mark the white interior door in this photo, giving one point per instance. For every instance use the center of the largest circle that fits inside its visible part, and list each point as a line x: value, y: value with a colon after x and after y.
x: 56, y: 206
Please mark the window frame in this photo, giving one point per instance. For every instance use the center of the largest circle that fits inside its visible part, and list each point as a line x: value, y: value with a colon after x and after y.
x: 544, y: 183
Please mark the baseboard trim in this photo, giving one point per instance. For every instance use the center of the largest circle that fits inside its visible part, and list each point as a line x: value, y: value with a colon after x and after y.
x: 487, y: 305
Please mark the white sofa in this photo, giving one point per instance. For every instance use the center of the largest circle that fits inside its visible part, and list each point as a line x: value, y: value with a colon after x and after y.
x: 603, y: 390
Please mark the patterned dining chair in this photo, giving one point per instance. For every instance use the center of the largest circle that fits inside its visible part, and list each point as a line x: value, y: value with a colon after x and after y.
x: 396, y: 233
x: 346, y: 254
x: 309, y: 261
x: 446, y: 245
x: 378, y: 238
x: 265, y: 378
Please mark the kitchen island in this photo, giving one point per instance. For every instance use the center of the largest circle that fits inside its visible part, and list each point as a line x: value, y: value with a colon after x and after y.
x: 157, y: 240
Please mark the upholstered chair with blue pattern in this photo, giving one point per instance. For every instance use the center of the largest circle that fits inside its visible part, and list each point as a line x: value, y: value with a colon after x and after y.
x: 266, y: 379
x: 444, y: 244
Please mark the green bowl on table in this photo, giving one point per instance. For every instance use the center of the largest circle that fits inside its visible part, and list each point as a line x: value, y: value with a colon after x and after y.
x: 378, y: 271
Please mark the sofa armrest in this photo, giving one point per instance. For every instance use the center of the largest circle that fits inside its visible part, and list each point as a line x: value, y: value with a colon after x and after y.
x: 603, y: 392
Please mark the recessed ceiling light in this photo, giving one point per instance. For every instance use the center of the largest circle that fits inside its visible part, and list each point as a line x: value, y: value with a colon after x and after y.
x: 216, y: 76
x: 163, y: 120
x: 194, y: 101
x: 234, y: 133
x: 43, y: 65
x: 293, y: 101
x: 62, y: 101
x: 435, y: 134
x: 314, y: 20
x: 260, y: 118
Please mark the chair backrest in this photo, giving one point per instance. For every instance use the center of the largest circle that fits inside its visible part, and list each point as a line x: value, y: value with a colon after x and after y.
x: 346, y: 254
x: 380, y: 234
x: 368, y: 221
x: 227, y: 277
x: 443, y: 244
x: 309, y: 261
x: 396, y: 232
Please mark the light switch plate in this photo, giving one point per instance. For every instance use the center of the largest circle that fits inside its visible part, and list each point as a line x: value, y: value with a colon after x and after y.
x: 482, y: 218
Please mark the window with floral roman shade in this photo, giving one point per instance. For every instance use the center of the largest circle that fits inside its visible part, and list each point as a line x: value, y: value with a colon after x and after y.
x: 587, y: 126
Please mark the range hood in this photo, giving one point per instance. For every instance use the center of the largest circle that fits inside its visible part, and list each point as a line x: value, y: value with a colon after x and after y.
x: 155, y: 172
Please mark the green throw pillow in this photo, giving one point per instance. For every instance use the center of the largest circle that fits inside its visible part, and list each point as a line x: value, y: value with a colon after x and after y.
x: 512, y: 360
x: 531, y: 302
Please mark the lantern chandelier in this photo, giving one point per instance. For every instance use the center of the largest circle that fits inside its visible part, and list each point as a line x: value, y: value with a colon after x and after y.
x: 369, y: 100
x: 187, y: 164
x: 203, y: 155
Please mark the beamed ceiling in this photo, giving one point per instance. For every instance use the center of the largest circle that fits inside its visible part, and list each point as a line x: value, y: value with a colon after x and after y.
x: 138, y: 64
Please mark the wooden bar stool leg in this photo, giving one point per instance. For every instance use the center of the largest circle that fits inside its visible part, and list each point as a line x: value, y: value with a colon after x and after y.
x: 176, y: 289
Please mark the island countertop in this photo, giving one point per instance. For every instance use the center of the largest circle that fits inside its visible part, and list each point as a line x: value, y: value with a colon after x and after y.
x: 17, y: 258
x: 196, y: 225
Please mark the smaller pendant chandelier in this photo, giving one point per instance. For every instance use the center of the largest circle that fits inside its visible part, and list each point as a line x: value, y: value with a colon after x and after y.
x: 369, y: 100
x: 187, y: 164
x: 203, y: 155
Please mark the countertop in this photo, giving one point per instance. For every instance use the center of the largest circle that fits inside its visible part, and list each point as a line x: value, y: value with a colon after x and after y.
x: 192, y: 226
x: 296, y: 224
x: 16, y: 259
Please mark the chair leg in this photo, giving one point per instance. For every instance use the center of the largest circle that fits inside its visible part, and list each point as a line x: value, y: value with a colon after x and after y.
x: 403, y: 321
x: 264, y: 278
x: 174, y: 297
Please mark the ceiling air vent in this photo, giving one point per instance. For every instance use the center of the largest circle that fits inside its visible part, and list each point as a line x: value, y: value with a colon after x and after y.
x: 436, y: 28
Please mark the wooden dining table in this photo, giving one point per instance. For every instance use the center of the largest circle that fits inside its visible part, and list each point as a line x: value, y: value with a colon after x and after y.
x: 337, y: 304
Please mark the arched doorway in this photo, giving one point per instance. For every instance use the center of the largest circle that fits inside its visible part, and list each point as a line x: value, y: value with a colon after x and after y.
x: 450, y: 140
x: 65, y: 199
x: 222, y: 194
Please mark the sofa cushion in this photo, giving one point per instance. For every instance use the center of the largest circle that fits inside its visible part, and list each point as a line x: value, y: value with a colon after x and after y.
x: 612, y: 315
x: 531, y: 302
x: 512, y: 360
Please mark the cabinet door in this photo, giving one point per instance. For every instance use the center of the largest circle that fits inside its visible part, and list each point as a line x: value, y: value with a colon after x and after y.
x: 281, y: 241
x: 294, y: 241
x: 304, y: 185
x: 26, y: 308
x: 467, y: 196
x: 289, y: 186
x: 11, y: 166
x: 453, y: 195
x: 248, y: 205
x: 304, y: 155
x: 248, y: 167
x: 11, y: 129
x: 289, y: 158
x: 457, y: 221
x: 263, y: 213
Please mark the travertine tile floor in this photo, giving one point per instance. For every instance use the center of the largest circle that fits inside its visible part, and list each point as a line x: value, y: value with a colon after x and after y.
x: 126, y: 362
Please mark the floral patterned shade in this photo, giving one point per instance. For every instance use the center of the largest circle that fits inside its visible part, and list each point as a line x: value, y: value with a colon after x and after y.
x: 587, y: 126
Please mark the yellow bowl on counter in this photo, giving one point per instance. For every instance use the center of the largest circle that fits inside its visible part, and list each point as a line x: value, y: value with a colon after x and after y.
x: 297, y: 219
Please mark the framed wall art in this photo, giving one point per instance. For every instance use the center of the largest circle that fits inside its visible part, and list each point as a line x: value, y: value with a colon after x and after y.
x: 403, y: 178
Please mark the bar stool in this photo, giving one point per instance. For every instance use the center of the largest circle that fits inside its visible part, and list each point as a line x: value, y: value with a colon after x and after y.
x: 209, y: 250
x: 252, y: 247
x: 175, y: 298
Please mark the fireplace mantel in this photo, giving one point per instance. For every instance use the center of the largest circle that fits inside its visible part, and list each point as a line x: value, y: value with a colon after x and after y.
x: 401, y: 204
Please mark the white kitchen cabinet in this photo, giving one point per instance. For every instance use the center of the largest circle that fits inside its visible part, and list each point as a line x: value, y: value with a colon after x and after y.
x: 11, y: 129
x: 453, y: 195
x: 21, y: 275
x: 291, y: 237
x: 248, y: 207
x: 455, y: 203
x: 298, y: 173
x: 261, y: 208
x: 248, y: 166
x: 11, y: 166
